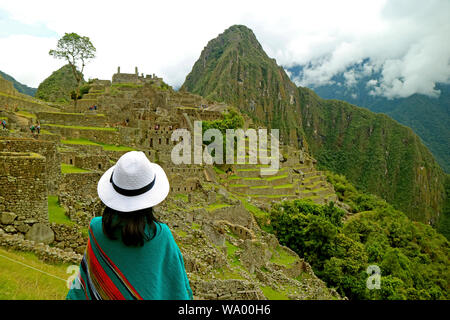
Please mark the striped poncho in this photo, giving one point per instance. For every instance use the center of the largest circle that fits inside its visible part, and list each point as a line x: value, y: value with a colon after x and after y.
x: 110, y: 270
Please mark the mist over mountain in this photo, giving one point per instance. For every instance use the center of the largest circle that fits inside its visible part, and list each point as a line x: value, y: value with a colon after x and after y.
x: 428, y: 116
x: 373, y: 151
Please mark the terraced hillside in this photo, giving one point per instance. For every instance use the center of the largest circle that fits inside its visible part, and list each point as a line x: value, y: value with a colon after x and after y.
x: 227, y: 255
x: 375, y: 152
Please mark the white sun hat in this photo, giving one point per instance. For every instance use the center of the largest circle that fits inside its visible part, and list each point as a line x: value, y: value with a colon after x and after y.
x: 133, y: 183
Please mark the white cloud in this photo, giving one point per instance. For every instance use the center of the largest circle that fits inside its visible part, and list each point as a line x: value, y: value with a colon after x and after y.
x: 402, y: 39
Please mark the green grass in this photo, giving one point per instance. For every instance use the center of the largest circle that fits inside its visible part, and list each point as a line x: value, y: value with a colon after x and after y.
x: 231, y: 252
x: 43, y: 131
x: 56, y: 213
x: 78, y: 114
x: 106, y: 147
x: 181, y: 196
x: 257, y: 212
x: 181, y: 233
x: 18, y: 282
x: 260, y: 187
x: 283, y: 258
x: 227, y: 273
x: 283, y: 186
x: 271, y: 294
x: 237, y: 185
x: 81, y: 127
x: 111, y: 147
x: 218, y: 170
x: 81, y: 141
x: 68, y: 168
x: 276, y: 177
x: 216, y: 206
x: 26, y: 114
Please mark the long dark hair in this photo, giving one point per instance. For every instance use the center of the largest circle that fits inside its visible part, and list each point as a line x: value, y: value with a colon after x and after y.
x: 131, y: 224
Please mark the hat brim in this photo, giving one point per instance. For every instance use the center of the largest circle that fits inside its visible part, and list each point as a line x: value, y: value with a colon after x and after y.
x: 111, y: 198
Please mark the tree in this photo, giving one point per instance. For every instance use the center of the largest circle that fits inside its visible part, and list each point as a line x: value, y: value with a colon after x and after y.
x: 77, y: 51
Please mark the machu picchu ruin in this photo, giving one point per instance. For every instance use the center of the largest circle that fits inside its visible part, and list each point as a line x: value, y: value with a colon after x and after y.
x: 208, y: 209
x: 273, y: 192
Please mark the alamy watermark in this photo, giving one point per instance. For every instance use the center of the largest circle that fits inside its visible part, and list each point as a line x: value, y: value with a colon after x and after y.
x: 213, y: 153
x: 374, y: 279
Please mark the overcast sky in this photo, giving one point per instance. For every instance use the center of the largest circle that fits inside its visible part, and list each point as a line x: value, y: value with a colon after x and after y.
x: 407, y: 40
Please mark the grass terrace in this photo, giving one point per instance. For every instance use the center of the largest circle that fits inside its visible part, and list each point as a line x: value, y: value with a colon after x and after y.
x: 68, y: 168
x: 26, y: 114
x: 106, y: 147
x: 18, y: 282
x: 78, y: 113
x: 56, y: 213
x: 216, y: 206
x: 81, y: 127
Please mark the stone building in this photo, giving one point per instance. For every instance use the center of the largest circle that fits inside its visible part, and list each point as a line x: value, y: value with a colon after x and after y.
x: 23, y: 195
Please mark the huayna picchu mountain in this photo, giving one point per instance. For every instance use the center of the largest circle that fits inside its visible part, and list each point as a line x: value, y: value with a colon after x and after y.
x: 58, y: 86
x: 373, y: 151
x: 235, y: 69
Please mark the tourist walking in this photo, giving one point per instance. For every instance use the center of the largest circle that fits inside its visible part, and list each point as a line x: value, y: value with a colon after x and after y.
x: 3, y: 123
x: 130, y: 254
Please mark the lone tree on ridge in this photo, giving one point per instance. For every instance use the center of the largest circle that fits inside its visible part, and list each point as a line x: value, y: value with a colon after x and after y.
x: 77, y: 51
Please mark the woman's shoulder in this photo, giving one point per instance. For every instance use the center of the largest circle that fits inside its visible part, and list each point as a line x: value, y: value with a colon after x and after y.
x: 163, y: 228
x: 96, y: 224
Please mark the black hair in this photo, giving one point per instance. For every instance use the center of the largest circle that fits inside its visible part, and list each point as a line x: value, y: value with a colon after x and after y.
x: 131, y: 224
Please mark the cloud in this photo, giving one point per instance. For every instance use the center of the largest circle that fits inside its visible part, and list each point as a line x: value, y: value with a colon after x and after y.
x: 411, y: 51
x: 407, y: 41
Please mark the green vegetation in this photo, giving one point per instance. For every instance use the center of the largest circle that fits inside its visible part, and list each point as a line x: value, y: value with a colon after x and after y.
x: 216, y: 206
x: 427, y: 116
x: 443, y: 225
x: 271, y: 294
x: 377, y: 154
x: 56, y: 213
x: 59, y: 86
x: 82, y: 128
x: 413, y: 257
x: 26, y: 114
x: 231, y: 120
x: 181, y: 196
x: 231, y: 251
x: 106, y: 147
x: 68, y: 168
x: 283, y: 258
x: 22, y: 88
x: 76, y: 50
x: 18, y: 282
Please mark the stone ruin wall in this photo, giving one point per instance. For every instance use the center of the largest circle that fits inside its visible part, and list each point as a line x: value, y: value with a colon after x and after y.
x: 68, y: 119
x: 23, y: 190
x: 79, y: 185
x: 47, y: 149
x: 7, y: 87
x: 179, y: 184
x: 102, y: 136
x: 92, y: 162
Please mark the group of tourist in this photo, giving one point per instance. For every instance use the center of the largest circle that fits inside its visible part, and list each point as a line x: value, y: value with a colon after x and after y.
x: 93, y: 107
x: 35, y: 129
x: 4, y: 124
